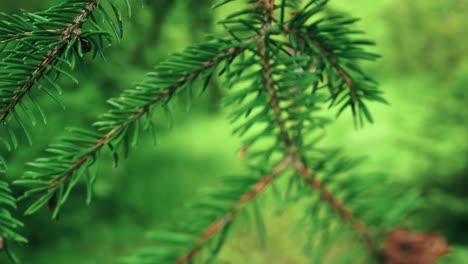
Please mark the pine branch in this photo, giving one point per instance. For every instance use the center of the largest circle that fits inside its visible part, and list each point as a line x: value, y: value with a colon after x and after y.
x: 72, y: 158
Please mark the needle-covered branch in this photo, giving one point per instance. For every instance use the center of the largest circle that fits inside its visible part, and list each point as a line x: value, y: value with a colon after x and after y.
x: 42, y: 46
x: 289, y: 142
x: 286, y: 86
x: 53, y: 177
x: 64, y: 36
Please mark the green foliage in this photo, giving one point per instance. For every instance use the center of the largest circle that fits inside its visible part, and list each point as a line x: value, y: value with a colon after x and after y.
x: 425, y: 43
x: 9, y: 225
x: 287, y: 69
x: 281, y: 64
x: 427, y: 39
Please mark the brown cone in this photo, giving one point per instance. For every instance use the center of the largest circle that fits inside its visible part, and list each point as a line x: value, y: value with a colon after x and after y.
x: 402, y: 246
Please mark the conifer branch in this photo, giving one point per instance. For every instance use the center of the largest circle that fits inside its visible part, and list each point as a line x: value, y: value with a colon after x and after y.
x: 218, y: 225
x: 71, y: 32
x: 43, y: 46
x: 53, y: 174
x: 116, y: 130
x: 34, y: 43
x: 292, y: 150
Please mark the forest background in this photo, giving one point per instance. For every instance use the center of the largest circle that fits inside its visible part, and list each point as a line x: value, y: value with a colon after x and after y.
x: 419, y: 140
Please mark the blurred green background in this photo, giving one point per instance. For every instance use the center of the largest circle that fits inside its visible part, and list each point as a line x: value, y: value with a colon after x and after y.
x: 419, y: 140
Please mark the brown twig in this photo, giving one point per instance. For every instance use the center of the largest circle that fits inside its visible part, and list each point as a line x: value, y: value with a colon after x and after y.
x: 137, y: 114
x: 267, y: 76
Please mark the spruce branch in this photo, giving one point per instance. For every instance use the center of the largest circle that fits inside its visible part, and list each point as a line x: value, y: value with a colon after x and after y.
x: 281, y: 82
x: 41, y: 47
x: 75, y: 155
x: 292, y: 149
x: 38, y: 46
x: 69, y: 33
